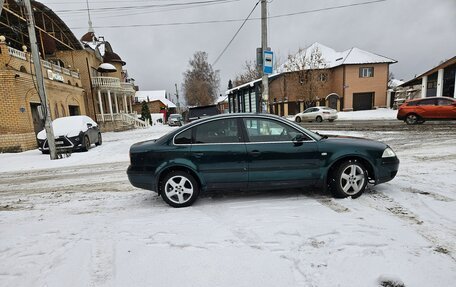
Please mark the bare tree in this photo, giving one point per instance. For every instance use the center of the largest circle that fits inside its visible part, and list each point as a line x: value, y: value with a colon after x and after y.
x: 250, y: 73
x: 309, y: 69
x: 201, y: 82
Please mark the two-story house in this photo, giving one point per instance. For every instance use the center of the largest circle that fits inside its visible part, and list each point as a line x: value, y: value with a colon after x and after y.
x: 350, y: 80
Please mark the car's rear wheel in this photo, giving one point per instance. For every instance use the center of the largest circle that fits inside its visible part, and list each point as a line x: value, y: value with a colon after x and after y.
x: 179, y: 189
x: 349, y: 179
x: 412, y: 119
x: 99, y: 140
x: 319, y: 119
x: 85, y: 143
x: 298, y: 119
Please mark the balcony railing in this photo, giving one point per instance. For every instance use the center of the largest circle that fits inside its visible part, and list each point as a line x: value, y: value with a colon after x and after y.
x: 128, y: 87
x: 47, y: 65
x: 108, y: 83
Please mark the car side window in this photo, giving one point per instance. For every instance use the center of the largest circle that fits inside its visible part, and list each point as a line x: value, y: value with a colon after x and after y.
x: 266, y: 130
x: 428, y: 102
x: 218, y: 131
x: 184, y: 137
x: 444, y: 102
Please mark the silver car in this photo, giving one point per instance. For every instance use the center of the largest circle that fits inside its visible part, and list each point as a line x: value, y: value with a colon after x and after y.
x: 175, y: 120
x: 317, y: 114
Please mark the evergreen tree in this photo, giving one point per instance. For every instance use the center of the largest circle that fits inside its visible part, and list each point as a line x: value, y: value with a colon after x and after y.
x: 145, y: 113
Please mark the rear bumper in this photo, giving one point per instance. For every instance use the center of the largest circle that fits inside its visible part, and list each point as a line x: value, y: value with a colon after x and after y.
x: 329, y: 117
x: 387, y: 170
x: 141, y: 178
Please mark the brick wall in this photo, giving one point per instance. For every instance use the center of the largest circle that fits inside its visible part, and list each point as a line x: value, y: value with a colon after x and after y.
x: 17, y: 91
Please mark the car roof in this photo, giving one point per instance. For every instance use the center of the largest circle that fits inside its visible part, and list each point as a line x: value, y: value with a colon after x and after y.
x: 432, y: 98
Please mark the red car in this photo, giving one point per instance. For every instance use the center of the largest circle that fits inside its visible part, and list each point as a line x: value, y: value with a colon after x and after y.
x: 420, y: 110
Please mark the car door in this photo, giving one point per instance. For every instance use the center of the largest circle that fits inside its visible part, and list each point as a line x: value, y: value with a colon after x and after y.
x: 427, y: 109
x: 446, y: 109
x: 219, y: 153
x: 275, y: 159
x: 308, y: 114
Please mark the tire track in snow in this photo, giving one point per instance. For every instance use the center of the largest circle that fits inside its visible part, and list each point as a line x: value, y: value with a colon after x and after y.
x: 382, y: 202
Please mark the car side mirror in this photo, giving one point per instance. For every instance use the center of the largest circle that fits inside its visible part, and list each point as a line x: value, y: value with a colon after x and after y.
x: 89, y: 125
x: 298, y: 138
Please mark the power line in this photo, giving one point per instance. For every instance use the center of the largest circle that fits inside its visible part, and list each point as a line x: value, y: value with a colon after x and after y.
x: 233, y: 20
x: 237, y: 32
x: 107, y: 9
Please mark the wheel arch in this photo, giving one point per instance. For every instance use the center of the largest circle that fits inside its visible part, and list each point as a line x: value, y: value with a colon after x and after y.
x: 165, y: 171
x: 364, y: 161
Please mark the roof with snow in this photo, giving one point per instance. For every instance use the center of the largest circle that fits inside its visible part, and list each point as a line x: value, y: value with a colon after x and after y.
x: 151, y: 96
x: 332, y: 58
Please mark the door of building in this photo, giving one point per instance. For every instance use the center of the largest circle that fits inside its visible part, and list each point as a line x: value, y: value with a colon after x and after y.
x: 363, y: 101
x: 37, y: 117
x: 332, y: 101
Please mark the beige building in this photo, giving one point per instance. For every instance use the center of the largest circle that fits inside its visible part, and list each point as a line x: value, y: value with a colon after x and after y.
x: 75, y: 77
x: 350, y: 80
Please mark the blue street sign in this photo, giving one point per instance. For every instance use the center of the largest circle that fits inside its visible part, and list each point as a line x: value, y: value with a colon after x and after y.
x: 268, y: 62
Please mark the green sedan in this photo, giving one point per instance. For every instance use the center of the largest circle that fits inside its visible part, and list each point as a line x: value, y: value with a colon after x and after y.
x: 256, y: 152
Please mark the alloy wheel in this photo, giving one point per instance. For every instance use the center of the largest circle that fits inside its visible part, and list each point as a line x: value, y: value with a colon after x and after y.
x: 352, y: 179
x: 179, y: 189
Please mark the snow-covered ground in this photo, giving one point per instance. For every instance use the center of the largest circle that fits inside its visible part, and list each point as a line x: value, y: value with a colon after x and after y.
x: 78, y: 222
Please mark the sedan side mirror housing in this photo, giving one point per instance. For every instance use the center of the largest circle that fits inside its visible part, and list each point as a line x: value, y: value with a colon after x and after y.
x: 89, y: 125
x: 298, y: 138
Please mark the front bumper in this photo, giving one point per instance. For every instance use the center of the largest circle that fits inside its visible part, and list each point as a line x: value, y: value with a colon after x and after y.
x: 387, y: 169
x: 61, y: 143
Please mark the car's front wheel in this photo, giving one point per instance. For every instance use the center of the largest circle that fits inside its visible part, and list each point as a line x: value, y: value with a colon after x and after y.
x: 99, y: 140
x: 349, y: 179
x: 298, y: 119
x: 179, y: 189
x: 412, y: 119
x: 85, y: 143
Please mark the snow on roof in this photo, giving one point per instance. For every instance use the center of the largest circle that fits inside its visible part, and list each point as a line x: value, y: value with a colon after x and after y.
x: 221, y: 99
x: 154, y: 96
x: 393, y: 83
x: 332, y: 58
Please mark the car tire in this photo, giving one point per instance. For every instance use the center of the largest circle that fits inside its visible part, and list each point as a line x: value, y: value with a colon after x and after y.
x: 349, y: 179
x: 179, y: 189
x: 86, y: 143
x: 298, y: 119
x: 99, y: 140
x: 319, y: 119
x: 412, y: 119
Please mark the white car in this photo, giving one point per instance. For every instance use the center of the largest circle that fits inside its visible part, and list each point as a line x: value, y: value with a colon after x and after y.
x: 317, y: 114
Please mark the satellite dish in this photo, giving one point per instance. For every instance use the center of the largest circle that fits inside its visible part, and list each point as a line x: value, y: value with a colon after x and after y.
x: 106, y: 68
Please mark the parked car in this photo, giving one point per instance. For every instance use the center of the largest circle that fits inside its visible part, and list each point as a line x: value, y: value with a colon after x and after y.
x: 256, y: 152
x: 317, y: 114
x: 72, y: 133
x: 175, y: 120
x: 420, y: 110
x: 196, y: 113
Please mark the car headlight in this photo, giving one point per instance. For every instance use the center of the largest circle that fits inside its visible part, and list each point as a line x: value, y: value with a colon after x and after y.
x: 388, y: 152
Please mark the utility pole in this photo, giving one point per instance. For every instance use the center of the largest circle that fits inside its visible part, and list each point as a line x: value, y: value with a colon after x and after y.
x: 40, y: 80
x: 1, y: 6
x: 177, y: 97
x: 264, y: 47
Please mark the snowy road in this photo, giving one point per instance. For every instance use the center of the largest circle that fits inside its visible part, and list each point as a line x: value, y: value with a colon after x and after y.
x: 85, y: 225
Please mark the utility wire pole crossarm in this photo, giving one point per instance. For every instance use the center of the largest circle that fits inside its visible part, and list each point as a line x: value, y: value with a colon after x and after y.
x: 40, y: 79
x: 264, y: 47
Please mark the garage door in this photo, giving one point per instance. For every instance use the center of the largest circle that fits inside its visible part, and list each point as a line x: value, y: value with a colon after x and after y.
x: 363, y: 101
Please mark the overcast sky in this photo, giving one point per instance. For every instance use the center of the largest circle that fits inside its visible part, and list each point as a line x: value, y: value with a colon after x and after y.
x: 417, y: 33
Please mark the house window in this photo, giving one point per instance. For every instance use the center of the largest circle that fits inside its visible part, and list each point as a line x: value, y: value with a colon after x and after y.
x: 323, y: 77
x: 366, y: 72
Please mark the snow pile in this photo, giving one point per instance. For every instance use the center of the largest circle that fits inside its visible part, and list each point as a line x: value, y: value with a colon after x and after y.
x: 378, y: 114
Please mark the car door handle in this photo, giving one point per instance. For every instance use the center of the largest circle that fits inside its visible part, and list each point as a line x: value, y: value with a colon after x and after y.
x: 255, y: 153
x: 198, y: 154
